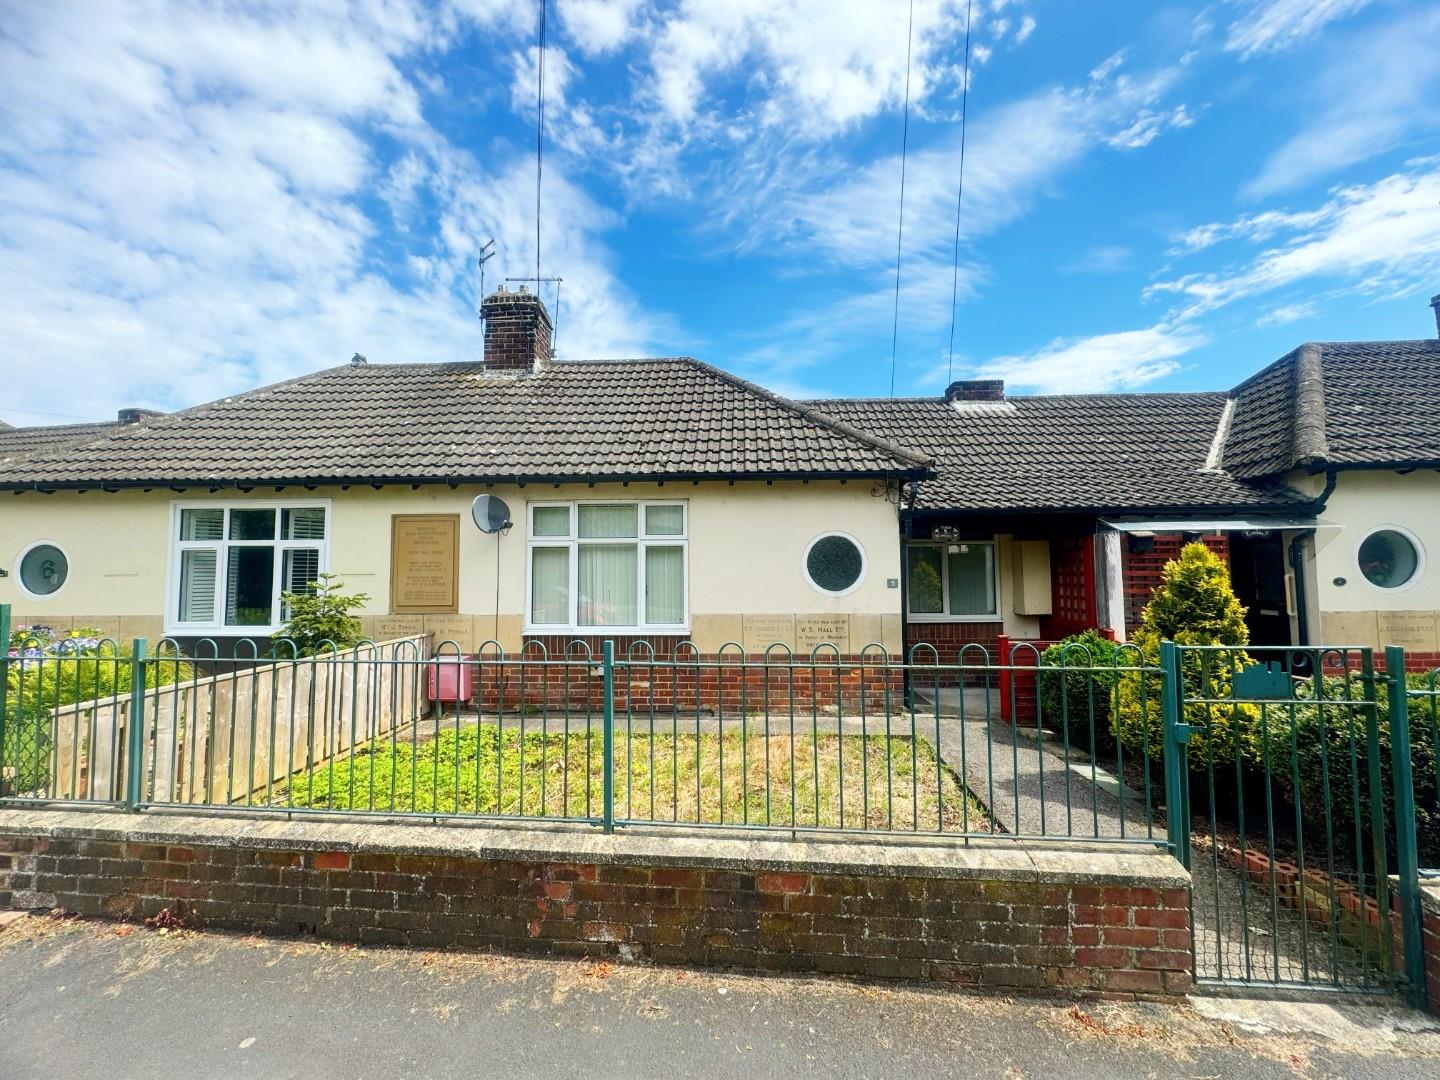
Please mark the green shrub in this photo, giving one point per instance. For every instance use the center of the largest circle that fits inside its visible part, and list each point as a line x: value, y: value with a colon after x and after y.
x: 321, y: 616
x: 49, y: 670
x: 1194, y: 605
x: 1077, y: 702
x: 1314, y: 753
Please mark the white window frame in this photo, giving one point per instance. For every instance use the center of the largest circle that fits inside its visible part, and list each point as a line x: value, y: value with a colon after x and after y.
x: 217, y: 626
x: 946, y: 615
x: 859, y: 580
x: 1414, y: 579
x: 572, y: 543
x: 20, y: 562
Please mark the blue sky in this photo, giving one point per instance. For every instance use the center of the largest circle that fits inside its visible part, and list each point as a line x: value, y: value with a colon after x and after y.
x: 197, y: 198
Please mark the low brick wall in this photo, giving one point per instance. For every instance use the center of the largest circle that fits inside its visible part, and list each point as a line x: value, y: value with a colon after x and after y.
x: 1115, y: 923
x: 1430, y: 914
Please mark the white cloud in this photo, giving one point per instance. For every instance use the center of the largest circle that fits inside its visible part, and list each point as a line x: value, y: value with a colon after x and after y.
x: 1369, y: 238
x: 196, y: 198
x: 1373, y: 92
x: 1027, y: 27
x: 1276, y: 25
x: 598, y: 27
x: 1099, y: 364
x: 1288, y: 313
x: 1100, y: 259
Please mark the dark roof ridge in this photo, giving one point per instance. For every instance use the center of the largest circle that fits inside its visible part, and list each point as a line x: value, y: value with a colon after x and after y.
x: 1309, y: 445
x: 918, y: 460
x: 1146, y: 394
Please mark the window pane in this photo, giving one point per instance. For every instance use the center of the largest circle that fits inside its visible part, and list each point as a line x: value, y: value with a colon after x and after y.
x: 299, y: 571
x: 1388, y: 559
x: 550, y: 586
x: 607, y: 584
x: 252, y: 524
x: 44, y: 569
x: 197, y: 585
x: 202, y: 524
x: 551, y: 521
x: 664, y: 585
x: 926, y: 596
x: 250, y: 585
x: 307, y: 523
x: 664, y: 521
x: 605, y: 521
x: 972, y: 579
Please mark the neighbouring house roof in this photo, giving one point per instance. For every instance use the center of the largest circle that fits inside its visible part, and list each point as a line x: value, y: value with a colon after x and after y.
x: 18, y: 443
x: 1338, y: 404
x: 1083, y: 452
x: 634, y: 419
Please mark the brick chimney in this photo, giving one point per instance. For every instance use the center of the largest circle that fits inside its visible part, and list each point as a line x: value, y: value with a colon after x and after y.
x: 517, y: 331
x: 975, y: 390
x: 134, y: 416
x: 1435, y: 307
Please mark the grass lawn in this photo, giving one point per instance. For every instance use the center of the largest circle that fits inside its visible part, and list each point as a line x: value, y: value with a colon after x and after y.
x: 893, y: 783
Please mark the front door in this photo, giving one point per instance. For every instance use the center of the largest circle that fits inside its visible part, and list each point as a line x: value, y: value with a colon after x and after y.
x: 1257, y: 571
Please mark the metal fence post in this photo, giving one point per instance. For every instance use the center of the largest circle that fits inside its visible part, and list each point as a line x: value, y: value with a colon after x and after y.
x: 1406, y: 858
x: 135, y: 730
x: 1177, y: 763
x: 4, y: 685
x: 607, y: 653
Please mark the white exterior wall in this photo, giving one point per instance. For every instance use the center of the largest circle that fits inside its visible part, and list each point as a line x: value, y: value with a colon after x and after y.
x: 1358, y: 612
x: 747, y: 545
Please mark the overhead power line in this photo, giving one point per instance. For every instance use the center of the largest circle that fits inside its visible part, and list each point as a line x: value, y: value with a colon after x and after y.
x: 959, y: 193
x: 540, y: 130
x: 900, y: 229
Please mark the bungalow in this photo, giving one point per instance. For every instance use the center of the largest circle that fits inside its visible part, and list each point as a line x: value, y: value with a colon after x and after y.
x: 663, y: 500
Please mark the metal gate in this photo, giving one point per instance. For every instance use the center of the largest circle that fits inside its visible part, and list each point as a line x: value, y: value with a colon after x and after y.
x: 1290, y: 800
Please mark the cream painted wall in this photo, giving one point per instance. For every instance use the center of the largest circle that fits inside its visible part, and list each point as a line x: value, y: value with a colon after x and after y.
x: 747, y: 545
x: 1359, y: 612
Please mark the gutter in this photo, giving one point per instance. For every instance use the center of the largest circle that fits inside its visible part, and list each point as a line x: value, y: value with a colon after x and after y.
x: 913, y: 474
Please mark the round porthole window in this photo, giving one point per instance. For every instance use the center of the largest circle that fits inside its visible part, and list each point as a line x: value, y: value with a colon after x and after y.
x: 1389, y: 558
x: 835, y: 563
x: 43, y: 569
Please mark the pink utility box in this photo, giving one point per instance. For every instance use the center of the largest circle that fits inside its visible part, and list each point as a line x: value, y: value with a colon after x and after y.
x: 451, y: 678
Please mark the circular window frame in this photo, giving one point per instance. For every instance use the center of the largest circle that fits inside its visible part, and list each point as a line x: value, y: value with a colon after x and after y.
x: 1414, y: 543
x: 19, y: 577
x: 805, y: 563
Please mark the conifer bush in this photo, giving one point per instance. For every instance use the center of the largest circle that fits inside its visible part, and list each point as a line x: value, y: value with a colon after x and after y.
x: 1194, y: 605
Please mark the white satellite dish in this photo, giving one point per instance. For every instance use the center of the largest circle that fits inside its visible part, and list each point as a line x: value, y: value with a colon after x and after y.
x: 490, y: 513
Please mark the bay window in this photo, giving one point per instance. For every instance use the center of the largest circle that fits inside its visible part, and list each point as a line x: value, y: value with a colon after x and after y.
x: 607, y: 565
x: 951, y: 581
x: 231, y: 563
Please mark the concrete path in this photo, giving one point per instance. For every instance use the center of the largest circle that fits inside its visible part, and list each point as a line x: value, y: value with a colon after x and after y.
x: 81, y: 1000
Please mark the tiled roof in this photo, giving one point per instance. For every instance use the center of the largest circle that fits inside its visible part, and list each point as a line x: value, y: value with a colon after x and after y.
x: 1338, y: 403
x: 1094, y: 452
x: 22, y: 442
x: 416, y: 422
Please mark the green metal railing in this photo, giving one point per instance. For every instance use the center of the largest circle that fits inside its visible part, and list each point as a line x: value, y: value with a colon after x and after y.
x: 1300, y: 831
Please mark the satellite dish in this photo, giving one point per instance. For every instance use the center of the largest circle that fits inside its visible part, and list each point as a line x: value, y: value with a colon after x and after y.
x: 490, y: 513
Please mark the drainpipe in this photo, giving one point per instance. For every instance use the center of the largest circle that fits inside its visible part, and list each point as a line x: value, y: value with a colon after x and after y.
x: 1297, y: 568
x: 907, y: 530
x: 1297, y: 562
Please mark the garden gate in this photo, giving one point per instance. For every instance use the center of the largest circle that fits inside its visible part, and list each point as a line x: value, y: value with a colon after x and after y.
x: 1290, y: 799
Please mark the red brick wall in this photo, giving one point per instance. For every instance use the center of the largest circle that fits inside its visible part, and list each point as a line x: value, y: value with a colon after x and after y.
x: 1141, y: 571
x: 704, y: 682
x: 1110, y: 939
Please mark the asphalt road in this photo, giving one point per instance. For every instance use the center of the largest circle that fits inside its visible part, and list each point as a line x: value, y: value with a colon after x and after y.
x: 81, y: 1000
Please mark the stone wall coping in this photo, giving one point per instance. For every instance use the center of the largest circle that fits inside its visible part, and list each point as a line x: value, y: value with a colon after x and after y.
x: 1430, y: 896
x: 988, y: 860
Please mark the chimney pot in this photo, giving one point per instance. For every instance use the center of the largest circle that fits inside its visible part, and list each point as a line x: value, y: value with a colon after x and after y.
x: 517, y: 331
x: 975, y: 390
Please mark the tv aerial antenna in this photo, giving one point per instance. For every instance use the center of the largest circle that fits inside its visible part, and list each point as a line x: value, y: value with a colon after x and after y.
x: 487, y: 252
